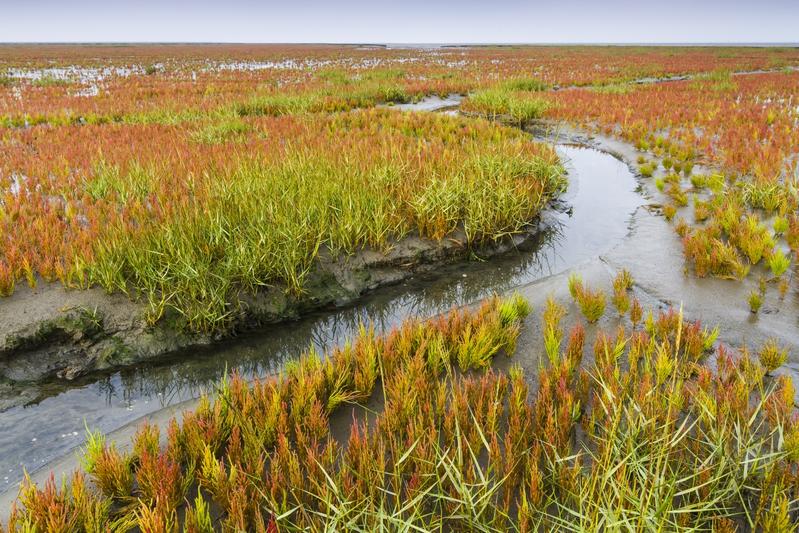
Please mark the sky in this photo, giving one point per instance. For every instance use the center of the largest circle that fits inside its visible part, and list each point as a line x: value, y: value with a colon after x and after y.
x: 410, y: 21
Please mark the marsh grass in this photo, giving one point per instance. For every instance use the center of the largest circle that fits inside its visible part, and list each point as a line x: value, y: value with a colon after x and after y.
x: 717, y: 80
x: 702, y: 209
x: 636, y: 312
x: 778, y: 263
x: 712, y: 255
x: 280, y: 104
x: 194, y: 239
x: 645, y: 437
x: 780, y: 225
x: 524, y: 84
x: 50, y: 81
x: 355, y: 96
x: 622, y: 284
x: 755, y: 301
x: 647, y: 170
x: 591, y: 301
x: 497, y: 103
x: 225, y: 129
x: 553, y: 332
x: 772, y: 355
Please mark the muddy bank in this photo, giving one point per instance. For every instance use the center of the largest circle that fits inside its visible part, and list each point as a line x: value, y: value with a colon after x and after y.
x: 653, y: 253
x: 530, y: 354
x: 50, y: 417
x: 431, y: 103
x: 51, y: 333
x: 644, y: 243
x: 601, y: 234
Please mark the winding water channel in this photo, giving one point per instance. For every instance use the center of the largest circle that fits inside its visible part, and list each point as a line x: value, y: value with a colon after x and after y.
x: 592, y: 217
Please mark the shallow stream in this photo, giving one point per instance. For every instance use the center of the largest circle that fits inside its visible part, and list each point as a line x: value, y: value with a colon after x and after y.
x: 592, y: 217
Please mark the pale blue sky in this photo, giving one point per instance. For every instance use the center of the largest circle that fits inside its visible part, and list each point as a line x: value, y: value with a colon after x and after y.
x: 427, y: 21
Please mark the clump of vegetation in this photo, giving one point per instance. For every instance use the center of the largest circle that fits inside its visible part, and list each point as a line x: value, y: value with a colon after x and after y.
x: 225, y: 130
x: 223, y: 210
x: 636, y: 312
x: 772, y: 355
x: 281, y: 104
x: 711, y: 255
x: 525, y: 84
x: 553, y: 333
x: 783, y: 287
x: 50, y: 81
x: 677, y: 195
x: 591, y: 302
x: 518, y: 106
x: 454, y: 449
x: 778, y: 263
x: 647, y: 169
x: 699, y: 181
x: 681, y: 227
x: 780, y: 225
x: 755, y: 301
x: 753, y: 239
x: 717, y: 80
x: 701, y: 210
x: 622, y: 283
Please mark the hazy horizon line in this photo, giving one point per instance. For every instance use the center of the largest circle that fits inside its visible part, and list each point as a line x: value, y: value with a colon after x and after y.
x: 443, y: 43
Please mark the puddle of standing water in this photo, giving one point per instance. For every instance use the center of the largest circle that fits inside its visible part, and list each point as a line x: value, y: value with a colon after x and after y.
x: 600, y: 201
x: 431, y: 103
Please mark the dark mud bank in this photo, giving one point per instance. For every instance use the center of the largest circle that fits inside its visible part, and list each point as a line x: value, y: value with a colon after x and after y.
x: 50, y: 333
x: 49, y: 417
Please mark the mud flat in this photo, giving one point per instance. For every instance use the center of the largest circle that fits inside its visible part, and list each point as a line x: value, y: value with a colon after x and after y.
x: 652, y: 252
x: 49, y: 333
x: 53, y: 333
x: 609, y: 219
x: 592, y: 217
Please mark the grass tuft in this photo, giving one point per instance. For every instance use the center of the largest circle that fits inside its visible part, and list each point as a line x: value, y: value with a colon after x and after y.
x: 644, y: 433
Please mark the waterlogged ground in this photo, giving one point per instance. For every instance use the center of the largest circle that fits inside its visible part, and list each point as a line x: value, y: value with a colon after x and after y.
x: 611, y: 218
x: 608, y: 219
x: 593, y: 217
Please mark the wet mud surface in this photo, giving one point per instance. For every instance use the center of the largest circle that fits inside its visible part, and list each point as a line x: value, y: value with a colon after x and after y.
x: 608, y: 219
x: 592, y: 217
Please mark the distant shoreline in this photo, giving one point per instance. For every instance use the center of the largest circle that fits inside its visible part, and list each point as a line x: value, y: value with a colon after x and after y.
x: 410, y: 45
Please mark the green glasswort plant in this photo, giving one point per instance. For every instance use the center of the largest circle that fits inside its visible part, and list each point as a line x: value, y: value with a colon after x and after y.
x: 772, y: 356
x: 755, y: 301
x: 642, y: 435
x: 778, y: 263
x: 591, y: 302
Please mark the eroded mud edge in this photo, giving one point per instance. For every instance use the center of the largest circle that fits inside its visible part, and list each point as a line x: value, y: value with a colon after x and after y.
x: 51, y: 333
